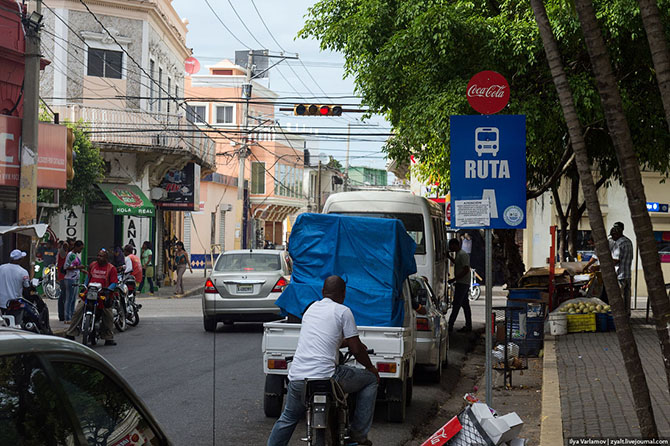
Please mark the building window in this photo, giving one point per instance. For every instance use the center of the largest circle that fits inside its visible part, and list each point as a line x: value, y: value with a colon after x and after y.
x: 160, y: 88
x: 196, y: 114
x: 169, y: 87
x: 152, y: 87
x: 257, y: 178
x: 105, y: 63
x: 224, y: 114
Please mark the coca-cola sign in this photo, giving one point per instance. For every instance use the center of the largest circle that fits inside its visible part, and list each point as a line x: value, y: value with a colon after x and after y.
x: 488, y: 92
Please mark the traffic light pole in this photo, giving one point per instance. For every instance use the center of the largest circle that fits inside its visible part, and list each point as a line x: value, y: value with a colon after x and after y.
x: 29, y: 132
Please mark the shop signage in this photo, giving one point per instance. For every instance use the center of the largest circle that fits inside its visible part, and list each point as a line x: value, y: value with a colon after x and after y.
x: 136, y: 230
x: 488, y: 92
x: 488, y: 162
x: 51, y: 150
x: 657, y: 207
x: 182, y: 189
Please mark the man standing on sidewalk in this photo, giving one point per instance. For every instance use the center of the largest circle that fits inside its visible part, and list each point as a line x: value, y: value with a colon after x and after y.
x: 461, y: 281
x: 622, y: 254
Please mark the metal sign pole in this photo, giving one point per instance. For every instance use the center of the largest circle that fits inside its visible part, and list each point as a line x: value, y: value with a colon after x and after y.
x: 487, y: 315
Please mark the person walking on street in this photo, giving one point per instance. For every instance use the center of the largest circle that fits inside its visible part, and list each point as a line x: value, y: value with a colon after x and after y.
x: 328, y: 325
x: 73, y: 268
x: 104, y: 273
x: 182, y: 262
x: 461, y: 281
x: 13, y: 279
x: 147, y: 267
x: 63, y: 249
x: 622, y: 254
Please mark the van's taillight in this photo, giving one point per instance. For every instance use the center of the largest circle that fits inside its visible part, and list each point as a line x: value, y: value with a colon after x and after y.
x: 422, y: 324
x: 277, y: 364
x: 386, y: 367
x: 279, y: 286
x: 210, y: 288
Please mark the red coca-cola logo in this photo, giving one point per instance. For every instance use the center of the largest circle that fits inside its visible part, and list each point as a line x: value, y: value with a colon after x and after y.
x: 488, y: 92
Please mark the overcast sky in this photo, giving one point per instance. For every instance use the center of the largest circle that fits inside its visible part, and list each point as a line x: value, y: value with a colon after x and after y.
x: 211, y: 42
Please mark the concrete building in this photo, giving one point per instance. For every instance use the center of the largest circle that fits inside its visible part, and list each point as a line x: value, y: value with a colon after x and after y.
x: 274, y: 167
x: 119, y: 68
x: 367, y: 176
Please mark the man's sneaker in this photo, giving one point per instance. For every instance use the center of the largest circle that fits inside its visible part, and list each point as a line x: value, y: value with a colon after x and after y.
x: 362, y: 442
x: 110, y: 342
x: 70, y: 337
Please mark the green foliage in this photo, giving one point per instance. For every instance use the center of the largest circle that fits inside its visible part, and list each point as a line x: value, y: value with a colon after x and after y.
x: 334, y: 164
x: 411, y: 62
x: 89, y: 169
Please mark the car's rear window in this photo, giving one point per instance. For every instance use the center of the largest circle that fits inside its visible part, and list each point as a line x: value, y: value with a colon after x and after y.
x: 248, y: 262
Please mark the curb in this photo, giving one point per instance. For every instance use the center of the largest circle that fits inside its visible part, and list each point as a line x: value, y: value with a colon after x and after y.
x: 551, y: 429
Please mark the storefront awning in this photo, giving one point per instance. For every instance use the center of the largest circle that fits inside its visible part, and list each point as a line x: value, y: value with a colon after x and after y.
x: 128, y: 199
x: 37, y: 230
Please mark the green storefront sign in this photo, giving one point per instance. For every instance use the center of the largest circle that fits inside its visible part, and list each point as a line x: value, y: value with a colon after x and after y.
x: 128, y: 199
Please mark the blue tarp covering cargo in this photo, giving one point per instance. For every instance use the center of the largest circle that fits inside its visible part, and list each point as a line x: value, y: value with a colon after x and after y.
x: 374, y: 256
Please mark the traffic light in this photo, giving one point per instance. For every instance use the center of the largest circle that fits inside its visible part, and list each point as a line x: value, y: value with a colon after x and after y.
x: 69, y: 166
x: 317, y: 110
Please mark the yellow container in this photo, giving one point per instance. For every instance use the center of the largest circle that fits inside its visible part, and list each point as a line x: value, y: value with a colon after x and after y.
x: 581, y: 322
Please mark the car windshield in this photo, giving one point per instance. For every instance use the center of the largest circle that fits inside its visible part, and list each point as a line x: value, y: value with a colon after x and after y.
x: 413, y: 224
x: 248, y: 262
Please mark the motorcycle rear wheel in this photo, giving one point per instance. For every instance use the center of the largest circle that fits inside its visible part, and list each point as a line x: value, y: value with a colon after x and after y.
x: 51, y: 291
x: 133, y: 318
x: 87, y: 336
x: 322, y: 437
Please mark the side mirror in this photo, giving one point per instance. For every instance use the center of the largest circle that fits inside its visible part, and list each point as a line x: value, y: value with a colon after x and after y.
x: 444, y: 307
x: 35, y: 282
x: 422, y: 296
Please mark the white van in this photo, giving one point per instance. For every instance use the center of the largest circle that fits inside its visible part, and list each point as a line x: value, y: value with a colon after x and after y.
x: 423, y: 219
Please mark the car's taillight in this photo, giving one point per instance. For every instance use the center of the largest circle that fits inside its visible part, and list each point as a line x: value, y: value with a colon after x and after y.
x: 279, y: 286
x: 210, y: 288
x: 386, y: 367
x: 422, y: 324
x: 277, y: 364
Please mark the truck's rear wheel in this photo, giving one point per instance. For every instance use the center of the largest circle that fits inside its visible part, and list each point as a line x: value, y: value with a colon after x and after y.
x: 209, y: 323
x: 396, y: 395
x: 409, y: 391
x: 273, y: 399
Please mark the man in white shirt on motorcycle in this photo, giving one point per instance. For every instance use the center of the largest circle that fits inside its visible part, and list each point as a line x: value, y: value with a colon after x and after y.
x: 327, y: 326
x: 13, y: 279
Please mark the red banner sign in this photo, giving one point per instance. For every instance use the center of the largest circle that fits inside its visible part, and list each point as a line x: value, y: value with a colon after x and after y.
x: 488, y: 92
x: 51, y: 154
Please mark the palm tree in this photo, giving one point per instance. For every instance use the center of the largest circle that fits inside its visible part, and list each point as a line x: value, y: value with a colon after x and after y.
x: 651, y: 18
x: 619, y: 131
x: 629, y: 351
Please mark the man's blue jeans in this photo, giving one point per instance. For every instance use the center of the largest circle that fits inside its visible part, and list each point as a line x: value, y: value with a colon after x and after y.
x: 351, y: 380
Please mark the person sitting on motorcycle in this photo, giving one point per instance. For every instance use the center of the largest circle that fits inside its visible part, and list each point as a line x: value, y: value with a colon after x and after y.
x: 13, y: 279
x: 133, y: 264
x: 327, y: 326
x: 104, y: 273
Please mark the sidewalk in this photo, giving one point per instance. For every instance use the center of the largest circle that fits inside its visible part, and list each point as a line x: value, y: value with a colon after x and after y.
x: 595, y: 394
x: 193, y: 285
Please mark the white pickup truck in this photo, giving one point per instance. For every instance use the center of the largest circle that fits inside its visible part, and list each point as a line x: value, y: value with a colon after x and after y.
x: 394, y: 356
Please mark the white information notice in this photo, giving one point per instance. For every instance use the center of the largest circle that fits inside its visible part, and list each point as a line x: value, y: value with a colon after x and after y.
x: 473, y: 213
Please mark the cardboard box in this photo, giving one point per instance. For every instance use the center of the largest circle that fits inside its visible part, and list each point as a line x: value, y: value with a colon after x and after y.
x: 503, y: 429
x: 481, y: 411
x: 514, y: 424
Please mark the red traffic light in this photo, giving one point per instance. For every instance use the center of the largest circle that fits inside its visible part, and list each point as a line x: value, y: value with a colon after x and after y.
x: 324, y: 110
x: 317, y: 110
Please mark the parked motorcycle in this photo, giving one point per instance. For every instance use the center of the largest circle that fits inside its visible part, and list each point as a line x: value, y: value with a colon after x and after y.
x: 128, y: 288
x: 95, y: 299
x: 328, y: 407
x: 28, y: 312
x: 48, y: 279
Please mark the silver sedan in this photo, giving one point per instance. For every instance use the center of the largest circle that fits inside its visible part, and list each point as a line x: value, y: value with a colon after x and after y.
x: 244, y: 286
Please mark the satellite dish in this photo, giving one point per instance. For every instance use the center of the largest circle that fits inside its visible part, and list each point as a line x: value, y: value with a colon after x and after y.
x: 323, y: 158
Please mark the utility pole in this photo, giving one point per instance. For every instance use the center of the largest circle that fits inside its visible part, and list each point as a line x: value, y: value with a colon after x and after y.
x: 29, y: 132
x: 318, y: 190
x: 346, y: 166
x: 241, y: 206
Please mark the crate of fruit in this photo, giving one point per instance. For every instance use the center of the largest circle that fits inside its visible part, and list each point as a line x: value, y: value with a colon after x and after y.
x: 581, y: 322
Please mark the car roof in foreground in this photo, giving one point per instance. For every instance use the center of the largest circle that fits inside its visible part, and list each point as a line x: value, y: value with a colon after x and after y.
x: 255, y: 251
x: 13, y: 341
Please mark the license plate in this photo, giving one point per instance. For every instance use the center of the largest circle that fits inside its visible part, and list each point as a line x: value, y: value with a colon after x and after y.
x: 245, y: 288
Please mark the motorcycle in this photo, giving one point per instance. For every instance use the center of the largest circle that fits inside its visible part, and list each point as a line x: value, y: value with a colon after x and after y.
x: 29, y: 312
x: 95, y: 299
x: 119, y: 308
x: 328, y: 408
x: 128, y: 288
x: 48, y: 280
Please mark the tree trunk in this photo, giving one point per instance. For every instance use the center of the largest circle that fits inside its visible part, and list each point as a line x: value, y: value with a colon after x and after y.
x: 629, y: 351
x: 574, y: 216
x: 630, y: 173
x: 651, y: 18
x: 562, y: 224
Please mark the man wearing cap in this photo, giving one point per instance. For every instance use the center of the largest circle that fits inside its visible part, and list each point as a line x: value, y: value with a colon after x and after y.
x: 13, y: 278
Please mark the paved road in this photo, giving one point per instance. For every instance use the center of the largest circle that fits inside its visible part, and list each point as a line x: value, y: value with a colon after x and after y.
x: 207, y: 388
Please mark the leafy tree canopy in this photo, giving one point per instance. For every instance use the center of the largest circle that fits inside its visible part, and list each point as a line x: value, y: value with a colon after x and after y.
x: 411, y: 62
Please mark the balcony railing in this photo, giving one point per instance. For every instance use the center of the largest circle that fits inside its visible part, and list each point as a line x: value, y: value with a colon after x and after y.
x: 140, y: 128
